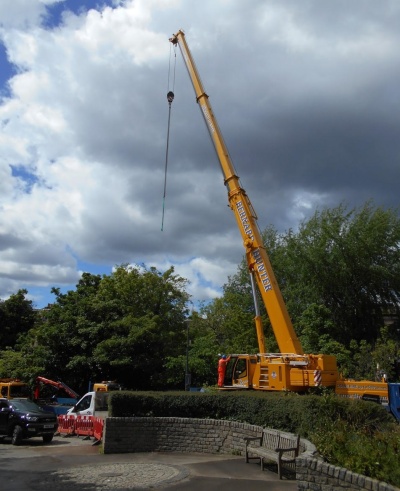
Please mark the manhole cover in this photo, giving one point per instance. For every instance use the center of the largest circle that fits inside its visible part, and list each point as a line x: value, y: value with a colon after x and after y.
x: 111, y: 477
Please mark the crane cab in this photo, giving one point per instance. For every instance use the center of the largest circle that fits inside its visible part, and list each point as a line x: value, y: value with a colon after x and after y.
x: 240, y: 372
x: 280, y: 372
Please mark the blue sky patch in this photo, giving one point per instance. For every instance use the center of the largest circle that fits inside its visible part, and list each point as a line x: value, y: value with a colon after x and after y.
x: 55, y: 11
x: 27, y: 178
x: 6, y: 72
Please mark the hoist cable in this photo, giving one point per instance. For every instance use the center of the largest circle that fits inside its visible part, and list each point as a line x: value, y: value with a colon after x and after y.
x: 170, y: 98
x: 166, y: 166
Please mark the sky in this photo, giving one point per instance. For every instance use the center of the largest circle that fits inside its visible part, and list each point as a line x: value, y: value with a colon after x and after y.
x: 306, y: 93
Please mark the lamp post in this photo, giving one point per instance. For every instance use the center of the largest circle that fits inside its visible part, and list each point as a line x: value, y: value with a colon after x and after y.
x: 187, y: 374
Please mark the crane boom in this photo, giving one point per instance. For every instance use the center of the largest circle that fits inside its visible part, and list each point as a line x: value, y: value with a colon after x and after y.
x: 257, y: 258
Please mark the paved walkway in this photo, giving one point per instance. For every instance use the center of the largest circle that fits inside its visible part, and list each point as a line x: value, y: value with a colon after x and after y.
x: 69, y: 464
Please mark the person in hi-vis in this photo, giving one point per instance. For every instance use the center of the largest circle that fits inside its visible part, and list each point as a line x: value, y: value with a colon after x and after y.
x: 223, y: 361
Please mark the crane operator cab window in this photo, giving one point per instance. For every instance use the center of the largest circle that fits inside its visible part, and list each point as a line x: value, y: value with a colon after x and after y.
x: 240, y: 369
x: 236, y: 372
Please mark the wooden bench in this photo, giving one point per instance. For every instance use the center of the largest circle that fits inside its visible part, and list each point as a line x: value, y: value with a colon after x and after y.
x: 275, y: 446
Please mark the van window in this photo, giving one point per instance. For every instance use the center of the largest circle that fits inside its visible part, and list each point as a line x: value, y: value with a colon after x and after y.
x: 84, y: 403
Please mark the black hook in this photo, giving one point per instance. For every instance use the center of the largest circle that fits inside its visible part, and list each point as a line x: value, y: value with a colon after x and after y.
x: 170, y: 97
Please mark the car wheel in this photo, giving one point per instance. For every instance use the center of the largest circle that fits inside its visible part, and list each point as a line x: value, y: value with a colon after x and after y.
x: 47, y: 438
x: 16, y: 438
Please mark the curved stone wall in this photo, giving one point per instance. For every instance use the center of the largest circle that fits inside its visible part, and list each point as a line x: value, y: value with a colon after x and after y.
x: 129, y: 435
x: 123, y: 435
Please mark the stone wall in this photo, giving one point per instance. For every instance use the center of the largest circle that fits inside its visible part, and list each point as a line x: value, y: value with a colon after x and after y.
x: 316, y: 475
x: 122, y: 435
x: 129, y: 435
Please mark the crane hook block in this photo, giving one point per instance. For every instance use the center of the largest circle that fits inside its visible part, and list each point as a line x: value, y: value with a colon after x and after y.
x: 170, y: 96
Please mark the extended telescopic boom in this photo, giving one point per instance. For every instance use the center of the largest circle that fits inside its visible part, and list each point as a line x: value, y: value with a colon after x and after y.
x: 256, y: 255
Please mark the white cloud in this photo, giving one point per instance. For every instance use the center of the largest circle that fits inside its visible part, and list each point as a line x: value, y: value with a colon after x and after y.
x: 305, y: 96
x: 206, y: 277
x: 22, y: 13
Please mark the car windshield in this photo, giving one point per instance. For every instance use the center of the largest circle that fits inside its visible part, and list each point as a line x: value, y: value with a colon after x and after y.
x: 26, y: 406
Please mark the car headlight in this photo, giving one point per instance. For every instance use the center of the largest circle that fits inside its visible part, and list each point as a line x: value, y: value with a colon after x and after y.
x: 31, y: 418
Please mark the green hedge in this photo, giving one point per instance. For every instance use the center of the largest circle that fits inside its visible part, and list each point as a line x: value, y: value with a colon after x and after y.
x: 285, y: 411
x: 358, y: 435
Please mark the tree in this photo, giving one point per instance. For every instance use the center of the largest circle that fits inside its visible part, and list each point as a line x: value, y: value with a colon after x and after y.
x: 55, y: 339
x: 339, y: 275
x: 17, y: 316
x: 352, y: 260
x: 151, y: 325
x: 201, y: 355
x: 122, y: 326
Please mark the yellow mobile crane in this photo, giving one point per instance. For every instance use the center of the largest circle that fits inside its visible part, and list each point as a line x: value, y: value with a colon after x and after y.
x: 290, y: 369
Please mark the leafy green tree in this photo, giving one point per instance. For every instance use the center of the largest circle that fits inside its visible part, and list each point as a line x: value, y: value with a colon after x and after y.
x: 202, y: 355
x: 352, y: 259
x: 17, y: 316
x: 386, y: 353
x: 12, y: 364
x: 118, y: 327
x: 47, y: 348
x: 151, y: 328
x: 339, y: 276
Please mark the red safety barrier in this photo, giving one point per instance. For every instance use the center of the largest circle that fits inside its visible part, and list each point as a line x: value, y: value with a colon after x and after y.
x: 84, y: 426
x: 98, y: 426
x: 66, y: 424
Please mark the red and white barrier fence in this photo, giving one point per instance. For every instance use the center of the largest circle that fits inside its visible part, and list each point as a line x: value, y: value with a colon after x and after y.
x: 66, y: 425
x: 98, y: 426
x: 84, y: 426
x: 88, y: 426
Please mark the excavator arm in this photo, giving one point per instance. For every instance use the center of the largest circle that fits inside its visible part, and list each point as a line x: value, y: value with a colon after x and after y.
x: 257, y: 258
x: 58, y: 385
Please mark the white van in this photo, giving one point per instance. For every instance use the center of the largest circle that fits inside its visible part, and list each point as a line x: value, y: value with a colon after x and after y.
x: 91, y: 404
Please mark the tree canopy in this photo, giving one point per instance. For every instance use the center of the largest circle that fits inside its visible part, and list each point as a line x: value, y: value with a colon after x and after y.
x: 340, y: 278
x: 17, y: 316
x: 339, y: 273
x: 118, y: 327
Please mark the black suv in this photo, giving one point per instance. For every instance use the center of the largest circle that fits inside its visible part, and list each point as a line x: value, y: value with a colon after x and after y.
x: 22, y: 418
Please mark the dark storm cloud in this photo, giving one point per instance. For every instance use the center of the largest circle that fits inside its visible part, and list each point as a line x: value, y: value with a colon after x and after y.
x: 321, y: 118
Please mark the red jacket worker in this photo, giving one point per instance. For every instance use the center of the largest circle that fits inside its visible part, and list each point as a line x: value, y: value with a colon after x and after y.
x: 223, y: 361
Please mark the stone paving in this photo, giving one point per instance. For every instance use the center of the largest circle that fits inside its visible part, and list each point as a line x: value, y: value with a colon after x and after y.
x: 72, y: 464
x: 111, y: 477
